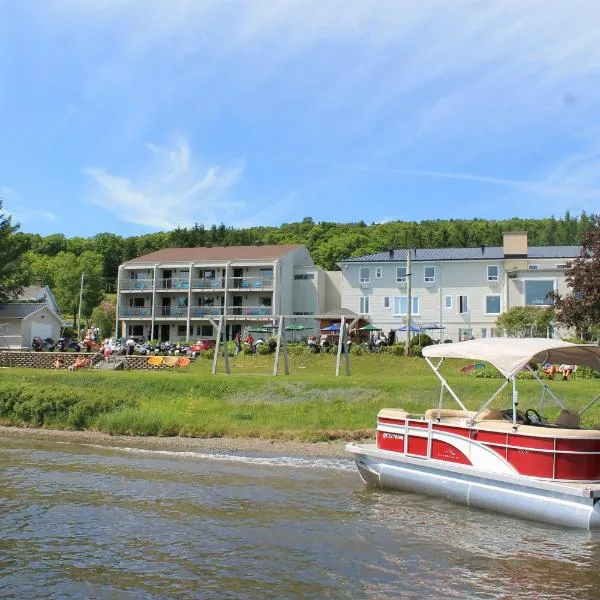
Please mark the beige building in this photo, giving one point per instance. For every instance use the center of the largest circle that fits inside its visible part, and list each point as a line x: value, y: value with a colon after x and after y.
x: 178, y: 294
x: 456, y: 293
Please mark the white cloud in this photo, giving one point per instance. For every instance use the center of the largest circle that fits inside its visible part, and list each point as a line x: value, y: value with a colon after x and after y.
x: 171, y: 190
x: 22, y: 214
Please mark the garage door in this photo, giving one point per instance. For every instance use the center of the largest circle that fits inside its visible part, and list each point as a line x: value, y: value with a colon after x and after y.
x: 42, y: 330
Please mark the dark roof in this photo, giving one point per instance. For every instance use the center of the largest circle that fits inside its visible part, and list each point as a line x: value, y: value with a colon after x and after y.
x: 19, y: 310
x: 215, y: 253
x: 485, y: 253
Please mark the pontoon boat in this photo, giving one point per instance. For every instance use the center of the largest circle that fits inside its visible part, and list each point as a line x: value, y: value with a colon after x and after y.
x: 509, y: 461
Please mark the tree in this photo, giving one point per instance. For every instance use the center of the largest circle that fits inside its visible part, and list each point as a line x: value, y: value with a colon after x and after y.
x: 580, y: 308
x: 14, y: 272
x: 522, y: 321
x: 67, y: 270
x: 104, y: 317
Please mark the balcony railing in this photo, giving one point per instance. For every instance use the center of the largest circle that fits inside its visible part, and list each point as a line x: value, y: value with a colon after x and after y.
x: 206, y: 311
x: 174, y: 312
x: 252, y: 283
x: 127, y: 285
x: 251, y: 310
x: 135, y: 312
x: 173, y: 283
x: 210, y: 283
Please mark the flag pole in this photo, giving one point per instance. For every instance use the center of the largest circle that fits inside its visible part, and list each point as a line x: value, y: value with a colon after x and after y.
x: 79, y: 311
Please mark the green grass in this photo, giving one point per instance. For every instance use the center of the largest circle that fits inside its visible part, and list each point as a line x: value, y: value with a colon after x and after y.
x: 309, y: 404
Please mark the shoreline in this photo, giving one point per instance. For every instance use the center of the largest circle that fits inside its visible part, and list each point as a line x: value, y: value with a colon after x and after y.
x: 226, y: 445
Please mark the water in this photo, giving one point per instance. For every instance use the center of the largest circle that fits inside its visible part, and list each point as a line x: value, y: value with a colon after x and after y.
x: 82, y: 521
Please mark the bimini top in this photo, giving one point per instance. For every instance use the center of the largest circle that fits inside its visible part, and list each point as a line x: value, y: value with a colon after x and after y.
x: 510, y: 355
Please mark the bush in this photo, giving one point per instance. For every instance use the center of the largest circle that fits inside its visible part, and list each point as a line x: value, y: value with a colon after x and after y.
x: 421, y: 339
x: 416, y: 350
x: 585, y: 373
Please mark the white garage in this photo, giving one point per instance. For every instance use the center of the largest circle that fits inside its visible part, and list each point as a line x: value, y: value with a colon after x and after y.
x: 20, y: 322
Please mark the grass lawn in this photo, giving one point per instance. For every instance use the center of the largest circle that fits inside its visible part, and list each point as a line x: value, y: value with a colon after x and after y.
x: 309, y: 404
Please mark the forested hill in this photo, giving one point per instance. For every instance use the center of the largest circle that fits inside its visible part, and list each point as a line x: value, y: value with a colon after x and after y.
x: 327, y: 242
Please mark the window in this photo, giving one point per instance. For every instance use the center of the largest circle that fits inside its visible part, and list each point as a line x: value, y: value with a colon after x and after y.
x: 386, y: 302
x: 463, y: 304
x: 304, y: 276
x: 181, y: 331
x: 483, y: 332
x: 493, y: 273
x: 492, y: 305
x: 365, y: 275
x: 365, y: 302
x: 533, y: 267
x: 401, y: 274
x: 266, y: 273
x: 561, y: 265
x: 378, y: 272
x: 537, y: 291
x: 465, y: 334
x: 448, y: 302
x: 401, y: 305
x: 205, y: 330
x: 429, y: 274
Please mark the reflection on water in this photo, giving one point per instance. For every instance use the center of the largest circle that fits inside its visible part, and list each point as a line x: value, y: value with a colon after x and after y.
x: 88, y: 521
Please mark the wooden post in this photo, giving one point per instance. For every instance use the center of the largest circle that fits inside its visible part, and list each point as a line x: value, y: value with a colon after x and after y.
x: 281, y: 340
x: 225, y: 348
x: 341, y: 346
x: 217, y: 346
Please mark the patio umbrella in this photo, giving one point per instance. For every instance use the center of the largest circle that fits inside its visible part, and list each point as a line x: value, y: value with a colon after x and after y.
x: 413, y: 328
x: 333, y: 328
x: 293, y: 327
x: 369, y: 327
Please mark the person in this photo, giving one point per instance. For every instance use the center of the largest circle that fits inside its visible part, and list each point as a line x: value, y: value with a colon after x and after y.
x: 130, y: 345
x: 107, y: 349
x: 238, y: 342
x: 249, y: 340
x: 58, y: 363
x: 549, y: 369
x: 391, y: 337
x: 566, y: 370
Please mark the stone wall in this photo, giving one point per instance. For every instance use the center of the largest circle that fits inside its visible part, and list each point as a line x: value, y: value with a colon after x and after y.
x: 45, y: 360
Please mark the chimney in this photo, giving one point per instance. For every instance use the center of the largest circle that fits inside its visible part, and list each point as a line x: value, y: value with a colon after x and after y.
x: 515, y: 244
x: 391, y: 253
x: 482, y: 249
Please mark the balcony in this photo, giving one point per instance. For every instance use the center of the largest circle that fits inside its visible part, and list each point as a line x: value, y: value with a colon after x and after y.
x: 173, y: 283
x: 206, y: 311
x: 135, y: 312
x: 252, y: 283
x: 129, y: 285
x: 172, y: 312
x: 208, y: 283
x: 251, y: 311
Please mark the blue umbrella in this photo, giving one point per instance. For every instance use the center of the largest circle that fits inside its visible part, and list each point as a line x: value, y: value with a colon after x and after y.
x: 413, y: 328
x: 332, y: 327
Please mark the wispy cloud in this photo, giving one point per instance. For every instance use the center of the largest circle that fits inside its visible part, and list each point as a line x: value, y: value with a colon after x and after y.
x: 171, y: 190
x: 17, y: 208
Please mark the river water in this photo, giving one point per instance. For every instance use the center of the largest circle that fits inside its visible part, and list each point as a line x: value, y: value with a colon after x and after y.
x: 84, y: 521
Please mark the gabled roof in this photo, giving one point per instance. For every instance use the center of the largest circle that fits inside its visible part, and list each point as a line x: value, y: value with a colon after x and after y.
x: 20, y: 310
x: 39, y: 293
x: 485, y: 253
x: 215, y: 253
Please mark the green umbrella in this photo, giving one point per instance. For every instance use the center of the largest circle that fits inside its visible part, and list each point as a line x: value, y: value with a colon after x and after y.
x: 370, y: 327
x: 259, y: 330
x: 296, y: 327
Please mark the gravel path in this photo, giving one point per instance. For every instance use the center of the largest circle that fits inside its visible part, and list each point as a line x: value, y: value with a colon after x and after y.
x: 254, y: 445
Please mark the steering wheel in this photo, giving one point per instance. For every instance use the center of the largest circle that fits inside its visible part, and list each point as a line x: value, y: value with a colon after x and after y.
x: 532, y: 417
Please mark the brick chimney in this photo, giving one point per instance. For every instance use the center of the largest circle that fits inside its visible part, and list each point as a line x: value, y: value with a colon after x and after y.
x: 515, y: 244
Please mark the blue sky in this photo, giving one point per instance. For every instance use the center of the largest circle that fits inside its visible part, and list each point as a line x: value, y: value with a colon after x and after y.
x: 134, y: 117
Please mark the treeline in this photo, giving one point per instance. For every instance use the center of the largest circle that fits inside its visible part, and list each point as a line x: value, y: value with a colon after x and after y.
x: 327, y: 242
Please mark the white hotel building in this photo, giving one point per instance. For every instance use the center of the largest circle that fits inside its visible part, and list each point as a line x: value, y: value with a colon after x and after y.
x: 461, y: 291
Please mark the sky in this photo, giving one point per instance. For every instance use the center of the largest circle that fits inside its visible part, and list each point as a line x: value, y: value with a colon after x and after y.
x: 136, y: 117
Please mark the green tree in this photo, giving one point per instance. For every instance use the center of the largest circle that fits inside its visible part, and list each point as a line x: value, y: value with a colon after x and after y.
x: 67, y: 270
x: 14, y: 272
x: 104, y: 316
x: 522, y: 321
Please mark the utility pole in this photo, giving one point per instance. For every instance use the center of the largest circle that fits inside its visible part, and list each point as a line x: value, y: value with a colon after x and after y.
x: 80, y: 336
x: 408, y: 299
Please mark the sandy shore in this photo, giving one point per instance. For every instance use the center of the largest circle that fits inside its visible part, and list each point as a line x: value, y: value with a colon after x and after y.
x: 253, y: 445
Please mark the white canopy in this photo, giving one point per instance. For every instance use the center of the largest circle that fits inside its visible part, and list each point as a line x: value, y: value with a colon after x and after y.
x: 510, y: 355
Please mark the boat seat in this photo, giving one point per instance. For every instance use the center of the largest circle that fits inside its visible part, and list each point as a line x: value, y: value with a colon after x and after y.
x: 536, y: 430
x: 449, y: 413
x: 568, y: 418
x: 490, y: 414
x: 394, y: 413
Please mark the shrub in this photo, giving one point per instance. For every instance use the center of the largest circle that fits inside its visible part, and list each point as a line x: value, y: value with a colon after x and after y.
x: 585, y: 373
x: 421, y: 339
